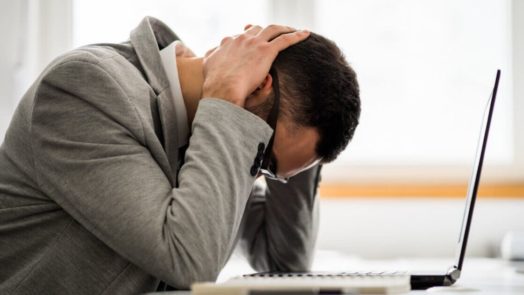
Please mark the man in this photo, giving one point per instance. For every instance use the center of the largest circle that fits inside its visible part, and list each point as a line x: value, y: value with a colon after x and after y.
x: 126, y: 169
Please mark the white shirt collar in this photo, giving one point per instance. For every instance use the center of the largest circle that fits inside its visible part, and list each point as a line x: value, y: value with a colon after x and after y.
x: 168, y: 57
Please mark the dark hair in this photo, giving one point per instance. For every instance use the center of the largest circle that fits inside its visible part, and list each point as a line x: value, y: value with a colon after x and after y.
x: 319, y: 89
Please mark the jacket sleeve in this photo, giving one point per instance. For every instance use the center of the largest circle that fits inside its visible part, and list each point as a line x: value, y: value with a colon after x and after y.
x: 90, y: 157
x: 280, y: 225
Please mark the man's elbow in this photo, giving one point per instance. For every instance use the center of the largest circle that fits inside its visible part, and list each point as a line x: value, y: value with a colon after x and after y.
x: 188, y: 268
x: 185, y: 277
x: 292, y: 262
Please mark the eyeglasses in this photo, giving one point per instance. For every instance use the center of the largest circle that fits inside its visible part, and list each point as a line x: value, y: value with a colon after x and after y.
x: 269, y: 163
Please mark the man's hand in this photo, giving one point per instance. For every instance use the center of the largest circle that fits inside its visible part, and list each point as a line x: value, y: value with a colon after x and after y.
x: 236, y: 68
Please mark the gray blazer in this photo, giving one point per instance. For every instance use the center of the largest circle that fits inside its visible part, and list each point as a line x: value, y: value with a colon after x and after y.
x: 92, y: 202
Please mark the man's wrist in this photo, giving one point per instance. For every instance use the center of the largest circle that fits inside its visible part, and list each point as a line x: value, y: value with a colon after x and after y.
x: 222, y: 90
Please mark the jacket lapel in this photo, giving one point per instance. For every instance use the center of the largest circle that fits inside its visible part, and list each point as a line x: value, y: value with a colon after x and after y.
x: 148, y: 38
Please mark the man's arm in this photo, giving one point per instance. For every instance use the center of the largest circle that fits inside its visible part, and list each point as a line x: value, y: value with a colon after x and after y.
x: 90, y: 156
x: 280, y: 224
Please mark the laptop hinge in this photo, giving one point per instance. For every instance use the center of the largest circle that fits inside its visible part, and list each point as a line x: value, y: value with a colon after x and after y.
x: 452, y: 276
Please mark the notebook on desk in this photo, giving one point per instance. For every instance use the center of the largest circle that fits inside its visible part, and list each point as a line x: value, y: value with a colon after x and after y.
x: 363, y: 283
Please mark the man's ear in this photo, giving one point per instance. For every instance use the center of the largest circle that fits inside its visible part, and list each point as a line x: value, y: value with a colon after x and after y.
x: 260, y: 94
x: 266, y: 84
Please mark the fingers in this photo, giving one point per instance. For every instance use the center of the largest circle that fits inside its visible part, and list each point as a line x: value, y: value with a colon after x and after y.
x: 225, y: 40
x: 210, y: 51
x: 272, y: 31
x: 253, y: 30
x: 283, y: 41
x: 279, y: 37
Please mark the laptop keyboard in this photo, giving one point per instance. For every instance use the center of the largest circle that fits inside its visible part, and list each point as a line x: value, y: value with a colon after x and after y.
x: 371, y: 274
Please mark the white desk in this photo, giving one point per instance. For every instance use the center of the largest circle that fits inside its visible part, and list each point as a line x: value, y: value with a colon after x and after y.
x: 484, y: 276
x: 479, y: 275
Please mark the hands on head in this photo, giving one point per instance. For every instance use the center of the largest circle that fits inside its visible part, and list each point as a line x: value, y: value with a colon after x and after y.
x: 240, y: 64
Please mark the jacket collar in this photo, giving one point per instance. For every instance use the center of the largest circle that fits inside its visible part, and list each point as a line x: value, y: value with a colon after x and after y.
x: 148, y: 39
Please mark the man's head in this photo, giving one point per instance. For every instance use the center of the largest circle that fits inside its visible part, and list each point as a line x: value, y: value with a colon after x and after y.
x: 319, y: 104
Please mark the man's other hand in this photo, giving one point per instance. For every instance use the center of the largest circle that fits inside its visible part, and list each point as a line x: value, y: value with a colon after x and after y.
x: 240, y: 64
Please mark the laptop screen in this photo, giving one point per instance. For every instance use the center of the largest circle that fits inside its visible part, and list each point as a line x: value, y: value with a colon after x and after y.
x: 475, y: 176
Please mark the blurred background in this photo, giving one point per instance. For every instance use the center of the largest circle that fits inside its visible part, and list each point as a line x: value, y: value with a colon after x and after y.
x: 426, y: 69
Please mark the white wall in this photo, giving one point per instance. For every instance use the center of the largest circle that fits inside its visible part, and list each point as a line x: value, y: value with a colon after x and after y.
x: 385, y: 228
x: 518, y: 76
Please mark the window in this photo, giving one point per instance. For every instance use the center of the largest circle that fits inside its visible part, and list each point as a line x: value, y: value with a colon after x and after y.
x: 199, y: 23
x: 425, y: 68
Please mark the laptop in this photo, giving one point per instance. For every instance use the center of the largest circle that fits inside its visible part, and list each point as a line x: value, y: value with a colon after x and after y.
x: 363, y: 283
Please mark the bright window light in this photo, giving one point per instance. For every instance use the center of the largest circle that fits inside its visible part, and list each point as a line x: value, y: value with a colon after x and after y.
x: 426, y: 69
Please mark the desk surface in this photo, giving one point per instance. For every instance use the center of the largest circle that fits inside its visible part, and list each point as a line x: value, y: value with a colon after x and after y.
x: 479, y: 275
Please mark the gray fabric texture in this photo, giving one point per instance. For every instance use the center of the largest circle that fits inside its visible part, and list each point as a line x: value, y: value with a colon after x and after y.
x: 89, y: 199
